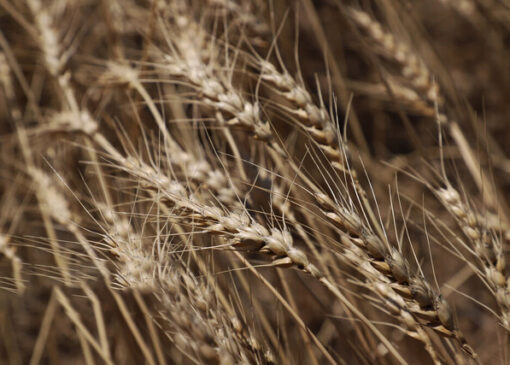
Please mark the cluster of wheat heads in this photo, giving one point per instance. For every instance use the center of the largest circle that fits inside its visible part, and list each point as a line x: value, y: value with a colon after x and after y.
x: 254, y: 181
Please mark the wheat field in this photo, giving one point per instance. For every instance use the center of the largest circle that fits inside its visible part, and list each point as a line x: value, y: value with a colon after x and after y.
x: 254, y: 182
